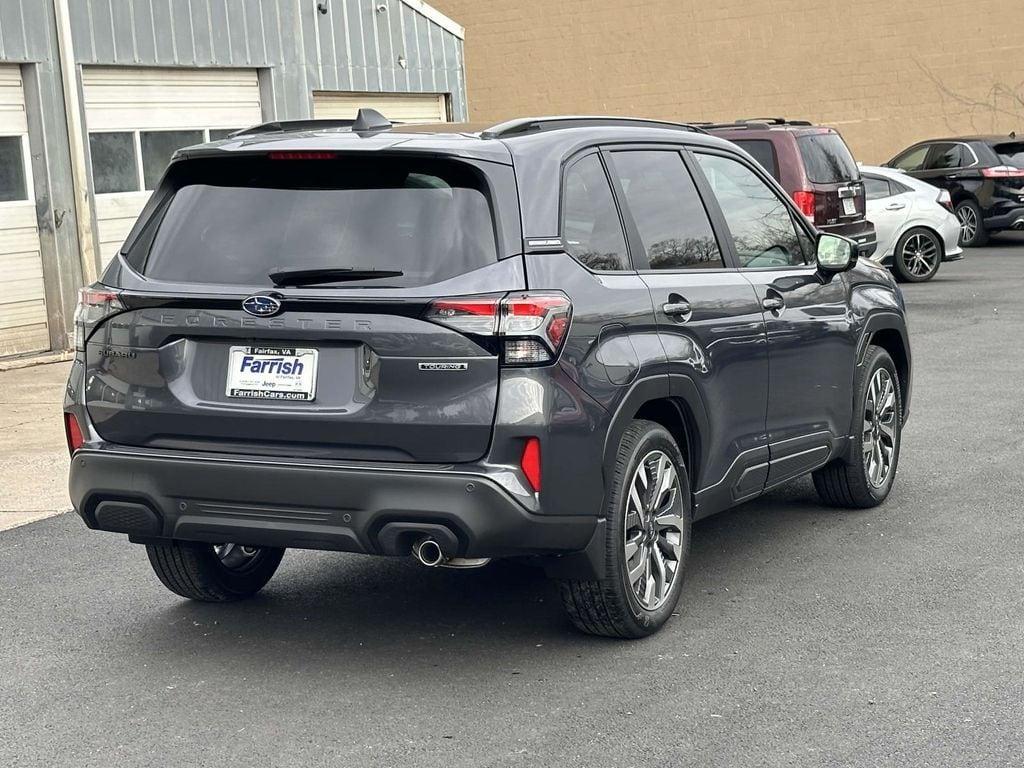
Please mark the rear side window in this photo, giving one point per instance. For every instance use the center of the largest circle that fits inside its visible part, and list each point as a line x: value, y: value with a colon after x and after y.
x: 1011, y: 153
x: 668, y: 212
x: 827, y: 159
x: 763, y: 151
x: 590, y: 221
x: 944, y: 156
x: 233, y: 220
x: 876, y: 188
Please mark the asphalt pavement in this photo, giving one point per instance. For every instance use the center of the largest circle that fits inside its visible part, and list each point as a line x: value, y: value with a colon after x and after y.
x: 805, y: 636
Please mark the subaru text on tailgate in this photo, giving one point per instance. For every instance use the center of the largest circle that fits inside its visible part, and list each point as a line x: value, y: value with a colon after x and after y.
x: 561, y: 339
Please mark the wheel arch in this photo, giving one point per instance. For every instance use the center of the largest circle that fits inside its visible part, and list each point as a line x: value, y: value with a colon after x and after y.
x: 888, y: 331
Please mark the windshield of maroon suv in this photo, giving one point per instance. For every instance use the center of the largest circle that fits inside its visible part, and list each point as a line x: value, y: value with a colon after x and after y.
x: 827, y: 159
x: 1011, y: 153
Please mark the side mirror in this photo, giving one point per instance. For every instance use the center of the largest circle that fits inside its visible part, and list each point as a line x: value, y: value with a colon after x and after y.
x: 835, y: 253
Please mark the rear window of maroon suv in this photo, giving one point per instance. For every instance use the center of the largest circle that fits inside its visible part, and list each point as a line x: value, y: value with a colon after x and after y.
x: 827, y: 159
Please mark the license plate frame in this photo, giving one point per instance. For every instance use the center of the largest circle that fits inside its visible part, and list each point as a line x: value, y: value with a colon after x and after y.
x: 275, y: 379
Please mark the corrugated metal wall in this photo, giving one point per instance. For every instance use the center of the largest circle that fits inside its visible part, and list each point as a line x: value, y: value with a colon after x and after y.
x: 353, y: 47
x: 358, y: 45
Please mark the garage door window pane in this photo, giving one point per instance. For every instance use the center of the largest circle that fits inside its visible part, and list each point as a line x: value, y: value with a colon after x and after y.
x: 113, y: 162
x: 157, y: 148
x: 12, y: 170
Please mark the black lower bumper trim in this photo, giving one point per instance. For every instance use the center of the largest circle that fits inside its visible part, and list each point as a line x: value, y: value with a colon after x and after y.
x: 201, y: 498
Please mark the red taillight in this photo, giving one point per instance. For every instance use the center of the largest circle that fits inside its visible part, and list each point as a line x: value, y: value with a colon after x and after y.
x: 73, y: 433
x: 804, y: 200
x: 945, y: 200
x: 282, y: 155
x: 1003, y: 172
x: 530, y: 462
x: 532, y: 325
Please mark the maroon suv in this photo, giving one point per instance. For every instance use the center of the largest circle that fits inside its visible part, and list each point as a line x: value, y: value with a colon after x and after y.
x: 814, y: 165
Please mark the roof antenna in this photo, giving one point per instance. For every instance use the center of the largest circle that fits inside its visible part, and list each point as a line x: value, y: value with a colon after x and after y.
x: 1013, y: 134
x: 370, y: 120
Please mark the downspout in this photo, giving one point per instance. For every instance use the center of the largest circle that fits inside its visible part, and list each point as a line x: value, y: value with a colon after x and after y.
x: 76, y: 140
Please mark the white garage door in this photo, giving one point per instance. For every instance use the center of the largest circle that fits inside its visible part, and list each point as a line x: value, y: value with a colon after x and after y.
x: 137, y: 118
x: 22, y: 302
x: 398, y: 107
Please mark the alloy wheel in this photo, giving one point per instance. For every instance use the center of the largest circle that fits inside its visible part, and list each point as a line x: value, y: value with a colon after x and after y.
x: 968, y: 223
x: 880, y: 425
x: 653, y: 538
x: 920, y: 254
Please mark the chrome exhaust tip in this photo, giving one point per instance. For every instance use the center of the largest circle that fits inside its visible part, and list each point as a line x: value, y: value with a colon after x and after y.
x: 428, y: 552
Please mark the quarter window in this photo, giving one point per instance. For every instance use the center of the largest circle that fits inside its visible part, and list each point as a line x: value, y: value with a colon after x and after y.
x: 669, y: 215
x: 763, y: 230
x: 876, y: 188
x: 590, y: 221
x: 12, y: 170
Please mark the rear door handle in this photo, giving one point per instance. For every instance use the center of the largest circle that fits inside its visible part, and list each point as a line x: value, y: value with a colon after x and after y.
x: 773, y: 303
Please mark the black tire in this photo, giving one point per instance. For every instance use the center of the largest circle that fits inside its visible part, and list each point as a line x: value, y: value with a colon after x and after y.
x: 980, y: 237
x: 912, y: 241
x: 848, y: 484
x: 195, y: 571
x: 608, y: 606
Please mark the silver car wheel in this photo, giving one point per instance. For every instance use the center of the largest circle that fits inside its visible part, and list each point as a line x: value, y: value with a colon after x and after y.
x: 920, y: 254
x: 653, y: 539
x: 880, y: 428
x: 968, y: 223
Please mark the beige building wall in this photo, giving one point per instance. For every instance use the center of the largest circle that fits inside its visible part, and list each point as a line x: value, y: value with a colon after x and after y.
x: 885, y: 72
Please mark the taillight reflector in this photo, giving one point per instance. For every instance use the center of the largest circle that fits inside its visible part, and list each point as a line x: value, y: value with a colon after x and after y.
x: 530, y: 462
x: 73, y: 433
x: 533, y: 325
x: 804, y: 200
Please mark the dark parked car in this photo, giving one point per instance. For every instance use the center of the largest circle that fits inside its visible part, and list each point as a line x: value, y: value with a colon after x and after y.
x: 814, y: 165
x: 983, y: 174
x: 561, y: 338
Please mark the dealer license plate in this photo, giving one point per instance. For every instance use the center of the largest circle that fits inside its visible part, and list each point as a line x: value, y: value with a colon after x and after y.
x: 272, y: 373
x: 849, y: 206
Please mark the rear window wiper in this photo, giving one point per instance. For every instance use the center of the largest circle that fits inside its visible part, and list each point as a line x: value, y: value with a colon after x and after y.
x: 283, y: 277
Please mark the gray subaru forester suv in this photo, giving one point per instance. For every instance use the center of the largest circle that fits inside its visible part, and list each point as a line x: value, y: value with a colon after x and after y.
x: 562, y: 339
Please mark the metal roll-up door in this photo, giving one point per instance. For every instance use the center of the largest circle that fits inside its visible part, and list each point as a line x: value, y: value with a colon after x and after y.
x: 397, y: 107
x: 137, y: 117
x: 23, y: 324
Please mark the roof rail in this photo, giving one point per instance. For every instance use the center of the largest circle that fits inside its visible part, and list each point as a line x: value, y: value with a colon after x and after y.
x: 756, y: 123
x: 525, y: 125
x: 366, y: 121
x: 773, y: 121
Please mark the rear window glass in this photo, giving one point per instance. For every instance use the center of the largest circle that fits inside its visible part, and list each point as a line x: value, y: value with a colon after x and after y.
x: 764, y: 152
x: 1011, y: 153
x: 232, y: 221
x: 827, y: 159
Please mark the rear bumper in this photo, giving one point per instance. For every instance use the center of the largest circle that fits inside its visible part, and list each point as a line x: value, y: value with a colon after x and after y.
x: 1005, y: 219
x: 159, y: 495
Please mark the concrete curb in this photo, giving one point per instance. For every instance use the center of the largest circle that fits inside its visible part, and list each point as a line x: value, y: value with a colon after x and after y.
x: 43, y: 359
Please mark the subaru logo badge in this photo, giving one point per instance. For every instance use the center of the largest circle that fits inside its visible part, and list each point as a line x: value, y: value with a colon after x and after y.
x: 261, y: 306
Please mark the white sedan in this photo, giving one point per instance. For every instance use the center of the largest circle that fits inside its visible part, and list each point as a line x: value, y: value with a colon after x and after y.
x: 914, y: 223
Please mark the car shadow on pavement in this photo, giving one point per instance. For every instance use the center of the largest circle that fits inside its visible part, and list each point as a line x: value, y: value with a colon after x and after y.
x: 330, y: 603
